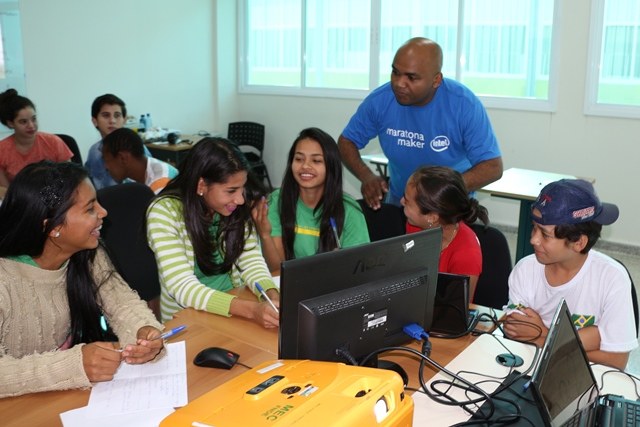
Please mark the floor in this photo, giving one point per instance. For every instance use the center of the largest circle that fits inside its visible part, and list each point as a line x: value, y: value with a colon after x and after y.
x: 630, y: 257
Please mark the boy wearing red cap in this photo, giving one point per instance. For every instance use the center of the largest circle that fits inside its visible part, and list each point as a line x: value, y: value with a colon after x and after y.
x: 567, y: 220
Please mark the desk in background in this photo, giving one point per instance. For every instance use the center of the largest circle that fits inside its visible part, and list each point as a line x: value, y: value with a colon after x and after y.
x: 173, y: 153
x: 523, y: 185
x: 380, y: 161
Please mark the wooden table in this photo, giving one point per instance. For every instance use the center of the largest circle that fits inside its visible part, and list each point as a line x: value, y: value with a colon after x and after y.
x: 523, y: 185
x: 253, y: 343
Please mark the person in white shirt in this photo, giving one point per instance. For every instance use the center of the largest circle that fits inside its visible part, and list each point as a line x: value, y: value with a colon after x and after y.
x: 567, y: 220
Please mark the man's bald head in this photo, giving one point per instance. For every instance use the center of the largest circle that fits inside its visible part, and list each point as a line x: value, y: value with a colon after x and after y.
x: 416, y: 71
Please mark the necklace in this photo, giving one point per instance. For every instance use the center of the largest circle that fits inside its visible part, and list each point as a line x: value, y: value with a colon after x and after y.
x: 447, y: 242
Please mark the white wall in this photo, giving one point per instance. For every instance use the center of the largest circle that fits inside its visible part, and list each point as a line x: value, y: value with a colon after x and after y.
x: 154, y: 54
x: 565, y: 141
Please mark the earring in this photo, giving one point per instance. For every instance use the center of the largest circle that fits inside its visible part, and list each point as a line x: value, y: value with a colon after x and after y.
x: 429, y: 224
x: 200, y: 194
x: 57, y: 234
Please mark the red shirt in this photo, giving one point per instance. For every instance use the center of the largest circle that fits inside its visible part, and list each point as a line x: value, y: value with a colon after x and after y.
x: 463, y: 255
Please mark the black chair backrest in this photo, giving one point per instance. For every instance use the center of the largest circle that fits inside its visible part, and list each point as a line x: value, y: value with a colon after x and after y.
x: 73, y: 146
x: 388, y: 221
x: 123, y: 232
x: 249, y: 134
x: 634, y: 298
x: 492, y: 289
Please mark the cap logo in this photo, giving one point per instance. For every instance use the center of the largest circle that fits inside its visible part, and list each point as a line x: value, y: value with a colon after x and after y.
x: 544, y: 199
x: 584, y: 213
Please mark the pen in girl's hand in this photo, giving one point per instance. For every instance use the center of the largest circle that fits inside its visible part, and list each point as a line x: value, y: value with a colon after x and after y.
x: 264, y: 295
x: 334, y: 227
x: 169, y: 333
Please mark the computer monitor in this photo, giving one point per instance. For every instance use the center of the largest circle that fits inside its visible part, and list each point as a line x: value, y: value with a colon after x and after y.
x: 358, y: 299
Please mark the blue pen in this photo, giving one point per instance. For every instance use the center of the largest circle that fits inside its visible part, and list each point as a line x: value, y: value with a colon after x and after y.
x: 264, y: 295
x: 334, y: 227
x: 170, y: 333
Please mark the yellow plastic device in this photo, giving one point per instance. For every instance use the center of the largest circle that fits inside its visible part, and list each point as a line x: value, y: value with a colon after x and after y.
x: 303, y: 393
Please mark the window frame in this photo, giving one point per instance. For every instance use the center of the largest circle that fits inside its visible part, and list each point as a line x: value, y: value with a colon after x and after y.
x: 592, y: 82
x: 498, y: 102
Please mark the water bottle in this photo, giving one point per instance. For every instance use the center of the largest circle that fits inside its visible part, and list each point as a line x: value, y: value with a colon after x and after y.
x: 148, y: 122
x: 142, y: 125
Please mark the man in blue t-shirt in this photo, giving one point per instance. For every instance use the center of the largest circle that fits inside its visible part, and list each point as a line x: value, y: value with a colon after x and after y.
x: 420, y: 118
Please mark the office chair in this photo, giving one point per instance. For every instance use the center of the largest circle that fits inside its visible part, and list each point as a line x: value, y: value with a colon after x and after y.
x: 249, y: 137
x: 492, y: 289
x: 123, y: 233
x: 388, y: 221
x: 634, y: 297
x: 73, y: 146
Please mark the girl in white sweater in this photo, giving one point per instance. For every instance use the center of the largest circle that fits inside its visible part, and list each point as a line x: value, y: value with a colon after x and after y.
x: 56, y: 282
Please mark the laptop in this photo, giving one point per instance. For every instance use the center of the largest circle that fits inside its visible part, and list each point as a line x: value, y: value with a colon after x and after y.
x: 565, y: 388
x: 451, y: 314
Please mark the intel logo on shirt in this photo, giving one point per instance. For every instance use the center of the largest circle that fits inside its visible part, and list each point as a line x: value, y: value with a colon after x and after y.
x: 439, y: 143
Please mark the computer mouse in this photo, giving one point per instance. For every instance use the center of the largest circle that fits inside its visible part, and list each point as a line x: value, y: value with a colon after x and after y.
x: 216, y: 357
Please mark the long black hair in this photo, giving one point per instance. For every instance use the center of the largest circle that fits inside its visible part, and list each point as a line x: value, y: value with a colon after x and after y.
x: 214, y: 160
x: 331, y: 204
x: 36, y: 202
x: 441, y: 190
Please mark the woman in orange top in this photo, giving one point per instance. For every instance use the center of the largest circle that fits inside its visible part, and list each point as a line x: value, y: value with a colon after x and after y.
x: 26, y: 145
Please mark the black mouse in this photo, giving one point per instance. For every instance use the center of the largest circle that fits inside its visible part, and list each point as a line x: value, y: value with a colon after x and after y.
x: 216, y: 357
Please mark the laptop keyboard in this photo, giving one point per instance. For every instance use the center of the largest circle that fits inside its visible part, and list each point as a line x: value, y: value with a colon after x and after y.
x: 624, y: 412
x: 612, y: 411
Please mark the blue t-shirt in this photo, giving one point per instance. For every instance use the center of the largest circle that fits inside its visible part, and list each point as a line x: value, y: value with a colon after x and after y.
x: 452, y: 130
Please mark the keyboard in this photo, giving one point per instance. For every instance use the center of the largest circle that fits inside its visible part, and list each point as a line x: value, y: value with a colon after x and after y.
x: 608, y: 411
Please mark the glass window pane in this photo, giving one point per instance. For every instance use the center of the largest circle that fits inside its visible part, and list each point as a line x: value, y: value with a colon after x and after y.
x: 273, y: 40
x: 401, y: 20
x: 619, y: 77
x: 507, y: 47
x: 337, y: 44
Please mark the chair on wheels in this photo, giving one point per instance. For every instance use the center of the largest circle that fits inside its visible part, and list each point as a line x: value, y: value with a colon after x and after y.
x: 249, y: 137
x: 386, y: 222
x: 73, y: 146
x: 123, y: 233
x: 492, y: 289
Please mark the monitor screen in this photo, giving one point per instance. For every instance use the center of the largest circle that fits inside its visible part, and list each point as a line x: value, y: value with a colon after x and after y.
x: 358, y: 299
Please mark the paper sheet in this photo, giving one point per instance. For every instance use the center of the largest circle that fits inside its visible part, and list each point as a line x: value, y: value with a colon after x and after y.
x: 139, y: 395
x: 94, y: 417
x: 140, y: 387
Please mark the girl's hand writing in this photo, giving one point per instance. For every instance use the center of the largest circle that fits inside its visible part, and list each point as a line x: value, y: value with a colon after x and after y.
x: 147, y: 347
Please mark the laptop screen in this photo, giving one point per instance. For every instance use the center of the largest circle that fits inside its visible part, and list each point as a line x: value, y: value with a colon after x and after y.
x: 563, y: 382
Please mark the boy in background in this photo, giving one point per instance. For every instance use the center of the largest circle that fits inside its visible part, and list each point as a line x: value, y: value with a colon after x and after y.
x: 124, y: 158
x: 108, y: 113
x: 567, y: 220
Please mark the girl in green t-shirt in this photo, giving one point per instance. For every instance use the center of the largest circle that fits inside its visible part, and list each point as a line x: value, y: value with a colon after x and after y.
x: 310, y: 213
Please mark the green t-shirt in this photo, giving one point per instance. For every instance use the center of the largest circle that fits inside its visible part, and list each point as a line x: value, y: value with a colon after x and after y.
x: 219, y: 282
x: 307, y: 231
